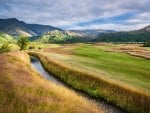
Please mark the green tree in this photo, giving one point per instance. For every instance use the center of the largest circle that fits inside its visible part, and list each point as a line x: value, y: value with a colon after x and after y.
x: 23, y: 42
x: 5, y: 47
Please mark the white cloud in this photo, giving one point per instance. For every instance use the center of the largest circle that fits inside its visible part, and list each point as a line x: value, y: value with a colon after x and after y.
x: 69, y: 12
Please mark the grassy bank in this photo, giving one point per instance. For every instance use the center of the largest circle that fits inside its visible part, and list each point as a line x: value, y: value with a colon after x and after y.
x: 22, y: 90
x: 133, y: 96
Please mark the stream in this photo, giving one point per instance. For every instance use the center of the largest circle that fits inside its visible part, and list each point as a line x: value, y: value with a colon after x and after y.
x: 105, y: 106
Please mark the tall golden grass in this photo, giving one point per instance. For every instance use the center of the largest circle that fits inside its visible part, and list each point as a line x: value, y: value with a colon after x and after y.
x: 132, y: 100
x: 22, y: 90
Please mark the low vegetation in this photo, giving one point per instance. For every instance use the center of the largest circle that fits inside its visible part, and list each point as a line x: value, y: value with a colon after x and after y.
x: 22, y: 90
x: 5, y: 37
x: 7, y: 43
x: 117, y: 77
x: 5, y: 47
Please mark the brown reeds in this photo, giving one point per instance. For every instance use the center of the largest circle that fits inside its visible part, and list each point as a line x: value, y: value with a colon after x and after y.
x: 22, y: 90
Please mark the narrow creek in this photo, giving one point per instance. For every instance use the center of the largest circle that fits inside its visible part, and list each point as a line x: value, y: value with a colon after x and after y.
x: 107, y: 107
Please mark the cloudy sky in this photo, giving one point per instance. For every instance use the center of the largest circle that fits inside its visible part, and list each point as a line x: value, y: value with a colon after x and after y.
x: 80, y: 14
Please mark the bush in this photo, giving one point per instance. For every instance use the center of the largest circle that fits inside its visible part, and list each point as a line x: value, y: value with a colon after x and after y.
x: 5, y: 47
x: 39, y: 48
x: 31, y: 47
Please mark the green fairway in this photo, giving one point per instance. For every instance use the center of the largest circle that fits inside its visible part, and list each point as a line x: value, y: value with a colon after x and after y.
x: 129, y: 69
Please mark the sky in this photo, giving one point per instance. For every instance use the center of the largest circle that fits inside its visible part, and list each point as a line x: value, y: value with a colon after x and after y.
x: 119, y: 15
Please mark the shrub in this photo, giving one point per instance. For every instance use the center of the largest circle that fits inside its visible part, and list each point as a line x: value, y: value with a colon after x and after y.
x: 39, y: 48
x: 5, y: 47
x: 31, y: 47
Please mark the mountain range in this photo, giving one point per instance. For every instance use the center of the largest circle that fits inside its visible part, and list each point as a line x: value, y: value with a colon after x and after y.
x: 13, y: 26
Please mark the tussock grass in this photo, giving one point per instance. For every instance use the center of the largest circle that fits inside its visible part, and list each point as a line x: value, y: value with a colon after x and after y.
x: 130, y: 99
x: 134, y: 50
x: 22, y: 90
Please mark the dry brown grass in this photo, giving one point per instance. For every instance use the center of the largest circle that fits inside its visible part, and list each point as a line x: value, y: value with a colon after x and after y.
x: 22, y: 90
x: 59, y: 50
x: 62, y: 49
x: 134, y: 50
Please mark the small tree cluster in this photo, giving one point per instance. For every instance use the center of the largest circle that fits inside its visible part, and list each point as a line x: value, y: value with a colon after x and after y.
x: 23, y: 42
x: 146, y: 44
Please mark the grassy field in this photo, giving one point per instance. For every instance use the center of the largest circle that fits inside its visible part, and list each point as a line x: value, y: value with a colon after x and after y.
x: 118, y: 77
x: 22, y: 90
x: 119, y: 66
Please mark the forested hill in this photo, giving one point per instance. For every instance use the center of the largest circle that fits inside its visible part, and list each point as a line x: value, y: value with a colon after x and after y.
x: 141, y: 35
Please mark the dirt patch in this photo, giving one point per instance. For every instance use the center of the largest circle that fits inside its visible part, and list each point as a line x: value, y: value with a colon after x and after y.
x: 57, y: 50
x: 134, y: 50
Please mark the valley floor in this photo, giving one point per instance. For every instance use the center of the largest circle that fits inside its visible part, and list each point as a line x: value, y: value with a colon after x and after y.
x: 110, y: 71
x: 107, y: 60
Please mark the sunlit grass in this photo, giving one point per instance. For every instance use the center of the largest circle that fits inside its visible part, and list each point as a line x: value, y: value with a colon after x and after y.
x: 129, y: 69
x: 22, y: 90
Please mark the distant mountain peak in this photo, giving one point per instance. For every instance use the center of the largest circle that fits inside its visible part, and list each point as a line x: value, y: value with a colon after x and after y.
x: 146, y: 29
x: 16, y: 27
x: 91, y: 32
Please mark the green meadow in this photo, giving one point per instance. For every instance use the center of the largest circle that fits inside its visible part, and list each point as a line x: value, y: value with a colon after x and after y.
x: 118, y: 66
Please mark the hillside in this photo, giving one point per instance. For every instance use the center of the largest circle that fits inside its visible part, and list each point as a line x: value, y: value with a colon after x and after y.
x: 15, y: 27
x: 145, y: 29
x: 57, y: 36
x: 140, y: 35
x: 91, y: 32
